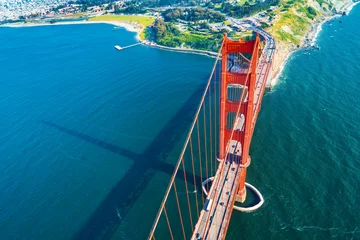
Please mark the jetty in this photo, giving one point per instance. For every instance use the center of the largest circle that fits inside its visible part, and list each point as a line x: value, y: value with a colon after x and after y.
x: 123, y: 48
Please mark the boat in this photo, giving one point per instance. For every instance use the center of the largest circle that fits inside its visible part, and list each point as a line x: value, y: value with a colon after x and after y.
x: 118, y: 47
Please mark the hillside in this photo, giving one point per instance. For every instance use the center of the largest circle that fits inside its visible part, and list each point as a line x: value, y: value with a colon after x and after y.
x: 295, y: 22
x: 293, y: 19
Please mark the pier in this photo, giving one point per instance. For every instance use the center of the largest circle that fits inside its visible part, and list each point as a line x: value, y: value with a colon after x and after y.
x: 123, y: 48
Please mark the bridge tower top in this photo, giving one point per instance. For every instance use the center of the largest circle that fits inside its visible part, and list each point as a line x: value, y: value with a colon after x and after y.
x: 215, y: 155
x: 239, y: 67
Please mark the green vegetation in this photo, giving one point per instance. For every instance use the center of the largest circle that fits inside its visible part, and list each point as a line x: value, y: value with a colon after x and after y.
x: 242, y: 2
x: 294, y: 20
x: 204, y: 25
x: 296, y: 24
x: 131, y: 8
x: 264, y: 25
x: 286, y: 37
x: 146, y: 33
x: 244, y: 8
x: 311, y: 13
x: 193, y: 14
x: 145, y: 21
x: 168, y: 35
x: 321, y: 2
x: 12, y: 21
x: 74, y: 15
x: 217, y: 6
x: 194, y: 28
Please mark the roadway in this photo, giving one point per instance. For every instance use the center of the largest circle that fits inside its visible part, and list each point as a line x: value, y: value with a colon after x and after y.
x: 214, y: 219
x: 215, y: 216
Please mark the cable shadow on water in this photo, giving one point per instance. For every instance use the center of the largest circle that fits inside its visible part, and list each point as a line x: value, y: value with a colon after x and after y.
x: 104, y: 221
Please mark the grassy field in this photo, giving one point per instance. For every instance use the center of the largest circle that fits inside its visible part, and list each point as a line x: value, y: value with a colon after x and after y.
x: 242, y: 2
x: 74, y: 15
x: 295, y: 19
x: 145, y: 21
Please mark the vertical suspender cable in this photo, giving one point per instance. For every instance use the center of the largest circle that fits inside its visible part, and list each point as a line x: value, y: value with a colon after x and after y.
x: 194, y: 174
x: 178, y: 205
x: 201, y: 178
x: 172, y: 181
x: 206, y: 159
x: 187, y: 193
x: 210, y: 127
x: 242, y: 99
x: 168, y: 223
x: 228, y: 144
x: 215, y: 112
x: 226, y: 152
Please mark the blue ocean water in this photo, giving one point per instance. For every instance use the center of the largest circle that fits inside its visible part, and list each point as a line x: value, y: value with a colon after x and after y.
x: 84, y: 130
x: 88, y: 135
x: 306, y: 145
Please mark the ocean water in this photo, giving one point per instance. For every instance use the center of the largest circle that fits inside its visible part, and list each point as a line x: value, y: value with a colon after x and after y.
x: 89, y: 135
x: 306, y: 145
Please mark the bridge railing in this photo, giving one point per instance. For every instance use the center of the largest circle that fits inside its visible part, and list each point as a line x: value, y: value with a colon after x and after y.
x: 239, y: 94
x: 196, y: 163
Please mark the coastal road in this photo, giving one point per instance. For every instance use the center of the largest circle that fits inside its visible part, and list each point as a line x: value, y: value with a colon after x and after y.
x: 270, y: 45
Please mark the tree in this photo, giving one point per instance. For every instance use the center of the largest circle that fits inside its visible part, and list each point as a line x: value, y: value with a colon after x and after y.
x: 159, y: 29
x: 204, y: 25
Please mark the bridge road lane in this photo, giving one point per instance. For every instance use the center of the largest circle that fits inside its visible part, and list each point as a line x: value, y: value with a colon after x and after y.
x: 223, y: 193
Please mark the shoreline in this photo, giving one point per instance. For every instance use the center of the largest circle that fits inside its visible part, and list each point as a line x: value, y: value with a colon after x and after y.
x: 281, y: 57
x: 309, y: 40
x: 125, y: 25
x: 182, y: 50
x: 128, y: 27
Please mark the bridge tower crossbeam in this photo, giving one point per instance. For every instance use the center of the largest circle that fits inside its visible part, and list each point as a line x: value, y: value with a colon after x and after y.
x: 243, y: 108
x: 233, y: 104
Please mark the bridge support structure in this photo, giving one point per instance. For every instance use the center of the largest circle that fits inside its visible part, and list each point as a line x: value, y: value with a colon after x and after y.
x: 243, y: 70
x: 243, y: 107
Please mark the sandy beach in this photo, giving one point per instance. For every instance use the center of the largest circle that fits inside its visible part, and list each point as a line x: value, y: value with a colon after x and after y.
x: 282, y: 54
x: 284, y: 51
x: 125, y: 25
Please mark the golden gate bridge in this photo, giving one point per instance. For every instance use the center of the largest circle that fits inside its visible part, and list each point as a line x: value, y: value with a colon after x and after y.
x: 209, y: 180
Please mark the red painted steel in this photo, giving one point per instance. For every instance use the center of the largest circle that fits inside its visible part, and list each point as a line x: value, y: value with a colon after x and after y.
x: 250, y: 72
x: 247, y: 105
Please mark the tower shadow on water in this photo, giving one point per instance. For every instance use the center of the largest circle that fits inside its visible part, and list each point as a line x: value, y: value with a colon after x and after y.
x: 104, y: 221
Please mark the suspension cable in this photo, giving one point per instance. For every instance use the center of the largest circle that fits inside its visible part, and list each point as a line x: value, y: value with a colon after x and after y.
x: 215, y: 100
x: 238, y: 110
x: 193, y: 169
x: 210, y: 127
x: 244, y: 57
x: 172, y: 180
x: 179, y: 209
x: 187, y: 193
x: 201, y: 178
x: 226, y: 156
x: 168, y: 223
x: 206, y: 159
x: 228, y: 146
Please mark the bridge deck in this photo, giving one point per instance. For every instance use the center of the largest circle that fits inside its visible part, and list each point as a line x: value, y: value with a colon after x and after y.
x: 213, y: 223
